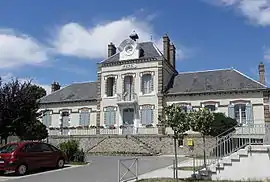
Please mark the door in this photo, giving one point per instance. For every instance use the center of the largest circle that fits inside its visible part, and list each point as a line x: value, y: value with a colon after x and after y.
x: 128, y: 120
x: 31, y: 155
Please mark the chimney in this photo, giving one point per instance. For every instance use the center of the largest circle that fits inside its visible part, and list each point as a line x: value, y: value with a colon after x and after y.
x: 166, y: 47
x: 55, y: 86
x: 111, y: 49
x: 261, y: 73
x: 172, y: 55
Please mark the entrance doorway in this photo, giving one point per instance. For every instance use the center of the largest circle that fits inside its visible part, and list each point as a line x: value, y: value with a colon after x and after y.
x: 128, y: 121
x: 128, y: 116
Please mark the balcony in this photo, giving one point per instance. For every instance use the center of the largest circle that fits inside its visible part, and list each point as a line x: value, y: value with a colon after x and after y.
x: 127, y: 98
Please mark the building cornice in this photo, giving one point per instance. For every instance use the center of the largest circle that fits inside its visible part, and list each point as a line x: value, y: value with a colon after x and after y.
x: 215, y: 92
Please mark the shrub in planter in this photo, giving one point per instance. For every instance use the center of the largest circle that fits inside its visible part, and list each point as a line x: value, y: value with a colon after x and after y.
x: 70, y: 147
x: 79, y: 156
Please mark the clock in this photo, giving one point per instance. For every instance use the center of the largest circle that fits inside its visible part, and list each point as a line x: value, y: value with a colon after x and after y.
x: 129, y: 49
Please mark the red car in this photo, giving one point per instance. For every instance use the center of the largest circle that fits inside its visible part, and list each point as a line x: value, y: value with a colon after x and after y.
x: 22, y: 157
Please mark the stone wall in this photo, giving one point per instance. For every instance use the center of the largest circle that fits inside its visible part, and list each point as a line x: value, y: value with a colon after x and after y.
x: 135, y: 144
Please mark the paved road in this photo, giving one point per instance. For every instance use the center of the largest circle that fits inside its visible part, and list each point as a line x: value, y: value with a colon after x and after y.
x: 101, y: 169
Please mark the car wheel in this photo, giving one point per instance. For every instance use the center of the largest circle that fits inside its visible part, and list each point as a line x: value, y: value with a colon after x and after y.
x: 21, y: 169
x: 60, y: 163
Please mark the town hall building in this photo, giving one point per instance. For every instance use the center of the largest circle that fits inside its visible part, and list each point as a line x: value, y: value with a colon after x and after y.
x: 137, y: 80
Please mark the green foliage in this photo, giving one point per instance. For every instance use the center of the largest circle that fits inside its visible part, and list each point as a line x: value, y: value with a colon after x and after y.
x: 71, y: 148
x: 202, y: 121
x: 37, y: 131
x: 222, y: 125
x: 176, y: 118
x: 18, y: 110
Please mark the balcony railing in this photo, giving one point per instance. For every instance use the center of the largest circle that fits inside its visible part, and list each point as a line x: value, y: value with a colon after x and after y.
x: 103, y: 131
x: 127, y: 97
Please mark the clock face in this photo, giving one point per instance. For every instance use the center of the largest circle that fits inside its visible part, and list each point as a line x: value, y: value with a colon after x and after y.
x: 129, y: 49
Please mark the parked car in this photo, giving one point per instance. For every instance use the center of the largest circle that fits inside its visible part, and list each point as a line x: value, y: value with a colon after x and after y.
x: 22, y: 157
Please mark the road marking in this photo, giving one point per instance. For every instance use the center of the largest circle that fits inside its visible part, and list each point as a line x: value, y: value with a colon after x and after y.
x: 5, y: 178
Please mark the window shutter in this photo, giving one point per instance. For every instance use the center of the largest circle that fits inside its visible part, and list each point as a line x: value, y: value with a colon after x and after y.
x: 113, y: 117
x: 151, y: 84
x: 143, y: 117
x: 106, y: 86
x: 249, y: 114
x: 231, y: 111
x: 114, y: 86
x: 106, y: 117
x: 142, y: 84
x: 150, y: 111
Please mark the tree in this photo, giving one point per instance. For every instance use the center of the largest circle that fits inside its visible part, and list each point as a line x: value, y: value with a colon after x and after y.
x: 176, y: 118
x: 202, y: 121
x: 19, y: 109
x: 222, y: 125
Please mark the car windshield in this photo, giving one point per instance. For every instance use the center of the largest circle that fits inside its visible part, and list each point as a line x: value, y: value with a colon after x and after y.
x: 8, y: 148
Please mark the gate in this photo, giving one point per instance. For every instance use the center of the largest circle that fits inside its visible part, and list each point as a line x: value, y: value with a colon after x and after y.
x: 128, y: 169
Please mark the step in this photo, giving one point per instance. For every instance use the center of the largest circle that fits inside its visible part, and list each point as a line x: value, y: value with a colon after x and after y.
x: 234, y: 157
x: 226, y: 161
x: 242, y: 152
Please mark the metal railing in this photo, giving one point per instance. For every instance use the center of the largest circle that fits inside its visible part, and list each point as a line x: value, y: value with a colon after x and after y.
x: 126, y: 96
x: 238, y: 138
x: 120, y: 130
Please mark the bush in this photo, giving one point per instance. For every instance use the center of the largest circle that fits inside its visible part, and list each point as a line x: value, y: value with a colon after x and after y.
x: 79, y: 156
x: 71, y: 148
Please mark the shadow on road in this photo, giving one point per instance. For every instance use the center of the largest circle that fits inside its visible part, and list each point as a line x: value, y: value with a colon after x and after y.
x: 41, y: 170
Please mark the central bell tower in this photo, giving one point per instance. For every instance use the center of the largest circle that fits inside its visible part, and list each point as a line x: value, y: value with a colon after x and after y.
x: 129, y: 48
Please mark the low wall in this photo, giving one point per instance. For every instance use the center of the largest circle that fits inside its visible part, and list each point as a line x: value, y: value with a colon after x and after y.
x: 135, y: 144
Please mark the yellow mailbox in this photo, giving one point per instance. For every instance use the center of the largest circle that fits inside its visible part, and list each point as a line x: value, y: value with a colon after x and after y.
x: 190, y: 142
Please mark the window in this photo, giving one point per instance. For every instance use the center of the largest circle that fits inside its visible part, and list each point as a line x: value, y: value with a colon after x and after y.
x: 47, y: 118
x: 65, y: 119
x: 44, y: 147
x: 146, y: 115
x: 111, y: 86
x: 240, y: 113
x: 147, y: 84
x: 210, y: 107
x: 84, y: 117
x: 8, y: 148
x: 109, y: 116
x: 128, y: 88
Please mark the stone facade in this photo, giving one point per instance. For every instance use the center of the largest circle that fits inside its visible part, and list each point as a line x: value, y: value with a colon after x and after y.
x: 140, y: 144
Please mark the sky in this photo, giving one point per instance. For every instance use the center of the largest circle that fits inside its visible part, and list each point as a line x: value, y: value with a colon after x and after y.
x: 62, y: 41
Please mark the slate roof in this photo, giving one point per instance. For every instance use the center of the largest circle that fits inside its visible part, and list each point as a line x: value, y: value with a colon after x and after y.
x: 149, y: 50
x: 213, y: 81
x: 74, y: 92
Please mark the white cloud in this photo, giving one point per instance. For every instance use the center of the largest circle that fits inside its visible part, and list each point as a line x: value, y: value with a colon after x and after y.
x: 74, y: 39
x: 267, y: 54
x: 18, y: 49
x: 9, y: 76
x: 257, y: 11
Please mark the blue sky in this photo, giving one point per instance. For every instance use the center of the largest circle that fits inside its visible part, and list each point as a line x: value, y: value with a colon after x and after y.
x: 63, y: 40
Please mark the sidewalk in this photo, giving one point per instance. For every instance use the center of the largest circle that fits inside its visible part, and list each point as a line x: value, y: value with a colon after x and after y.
x: 167, y: 172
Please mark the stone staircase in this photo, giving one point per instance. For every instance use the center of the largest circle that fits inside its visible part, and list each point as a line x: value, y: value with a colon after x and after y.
x: 232, y: 149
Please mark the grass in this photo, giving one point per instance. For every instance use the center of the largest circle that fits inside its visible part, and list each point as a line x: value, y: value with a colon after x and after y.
x: 78, y: 163
x: 172, y: 180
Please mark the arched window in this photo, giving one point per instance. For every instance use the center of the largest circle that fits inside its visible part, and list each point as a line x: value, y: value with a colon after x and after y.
x: 147, y: 83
